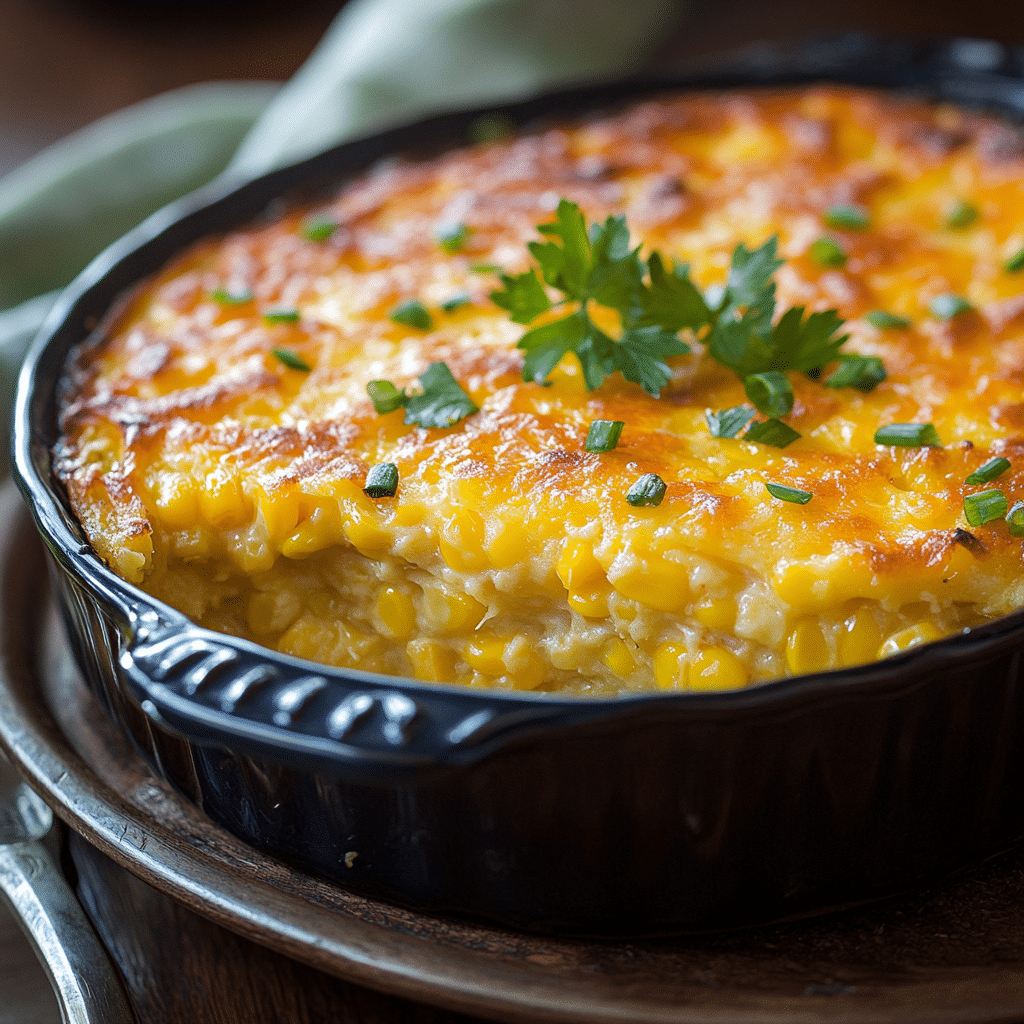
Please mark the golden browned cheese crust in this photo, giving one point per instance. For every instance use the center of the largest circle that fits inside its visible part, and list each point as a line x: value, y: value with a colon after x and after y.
x: 230, y: 485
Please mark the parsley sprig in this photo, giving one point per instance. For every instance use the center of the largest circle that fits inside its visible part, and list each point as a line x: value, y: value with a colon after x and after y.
x: 441, y: 402
x: 655, y: 300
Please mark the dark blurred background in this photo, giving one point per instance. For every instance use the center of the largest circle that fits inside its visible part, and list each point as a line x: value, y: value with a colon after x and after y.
x: 66, y: 62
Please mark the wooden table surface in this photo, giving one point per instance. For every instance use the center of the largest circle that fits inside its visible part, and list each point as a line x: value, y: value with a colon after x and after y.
x: 66, y: 63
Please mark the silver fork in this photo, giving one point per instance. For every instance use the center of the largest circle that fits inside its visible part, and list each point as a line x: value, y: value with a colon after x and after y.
x: 87, y: 988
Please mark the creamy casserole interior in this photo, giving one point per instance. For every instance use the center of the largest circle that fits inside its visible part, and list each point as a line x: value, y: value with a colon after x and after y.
x: 218, y: 436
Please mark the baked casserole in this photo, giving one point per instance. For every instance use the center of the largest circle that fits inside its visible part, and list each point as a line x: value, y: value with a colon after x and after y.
x: 711, y: 391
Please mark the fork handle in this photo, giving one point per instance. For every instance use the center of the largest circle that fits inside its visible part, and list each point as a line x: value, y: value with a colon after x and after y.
x: 81, y: 973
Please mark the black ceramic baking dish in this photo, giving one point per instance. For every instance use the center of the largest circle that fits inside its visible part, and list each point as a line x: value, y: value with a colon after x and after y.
x: 642, y: 815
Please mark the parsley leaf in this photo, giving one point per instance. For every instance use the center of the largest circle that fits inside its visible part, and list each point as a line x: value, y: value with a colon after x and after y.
x: 728, y: 422
x: 655, y: 300
x: 441, y: 403
x: 600, y: 266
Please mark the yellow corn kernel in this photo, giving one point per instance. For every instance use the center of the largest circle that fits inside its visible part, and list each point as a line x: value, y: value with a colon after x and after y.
x: 715, y: 668
x: 220, y: 499
x: 408, y: 514
x: 320, y: 529
x: 919, y: 633
x: 271, y: 611
x: 591, y: 602
x: 718, y: 613
x: 859, y: 638
x: 670, y: 662
x: 487, y: 654
x: 176, y: 501
x: 432, y: 662
x: 577, y: 565
x: 526, y: 668
x: 397, y: 613
x: 280, y: 511
x: 619, y: 659
x: 661, y: 585
x: 447, y: 611
x: 462, y: 542
x: 509, y: 547
x: 807, y: 649
x: 364, y: 532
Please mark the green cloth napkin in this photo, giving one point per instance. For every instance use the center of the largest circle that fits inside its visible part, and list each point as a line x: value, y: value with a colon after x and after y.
x: 381, y: 62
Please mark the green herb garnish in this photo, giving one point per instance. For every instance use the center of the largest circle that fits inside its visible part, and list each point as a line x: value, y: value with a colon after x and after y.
x: 456, y: 302
x: 413, y: 313
x: 987, y: 473
x: 827, y: 253
x: 440, y: 403
x: 790, y: 494
x: 603, y: 435
x: 1015, y: 519
x: 291, y: 360
x: 860, y: 372
x: 772, y: 432
x: 770, y: 391
x: 847, y: 218
x: 886, y: 321
x: 382, y: 480
x: 648, y: 490
x: 385, y: 396
x: 908, y: 435
x: 1015, y: 263
x: 948, y: 305
x: 485, y: 268
x: 728, y: 422
x: 281, y: 316
x: 960, y: 215
x: 985, y: 506
x: 452, y: 237
x: 227, y: 297
x: 318, y: 229
x: 654, y: 302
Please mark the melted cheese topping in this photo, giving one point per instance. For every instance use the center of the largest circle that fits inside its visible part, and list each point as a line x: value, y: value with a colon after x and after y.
x: 230, y: 485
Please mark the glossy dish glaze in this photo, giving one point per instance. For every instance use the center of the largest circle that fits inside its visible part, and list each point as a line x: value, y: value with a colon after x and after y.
x: 639, y: 815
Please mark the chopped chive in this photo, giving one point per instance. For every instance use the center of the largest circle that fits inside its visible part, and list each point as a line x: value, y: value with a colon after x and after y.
x: 382, y: 480
x: 490, y: 128
x: 908, y: 435
x: 291, y: 360
x: 849, y: 218
x: 385, y: 396
x: 791, y: 494
x: 603, y: 435
x: 452, y: 237
x: 885, y: 321
x: 961, y: 214
x: 648, y: 490
x: 987, y: 473
x: 413, y: 313
x: 318, y: 229
x: 456, y: 302
x: 1015, y: 519
x: 1015, y: 263
x: 772, y: 432
x: 985, y: 506
x: 227, y: 297
x: 770, y: 391
x: 728, y: 422
x: 827, y: 253
x: 948, y: 305
x: 861, y: 372
x: 281, y: 316
x: 485, y: 268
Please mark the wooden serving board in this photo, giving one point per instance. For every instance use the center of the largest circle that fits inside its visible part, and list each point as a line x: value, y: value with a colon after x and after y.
x: 205, y: 928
